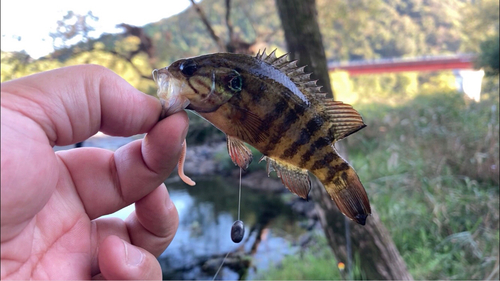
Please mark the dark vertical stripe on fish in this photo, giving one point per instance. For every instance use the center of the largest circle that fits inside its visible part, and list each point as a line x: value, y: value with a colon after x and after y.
x: 280, y: 129
x: 304, y: 138
x: 336, y: 169
x: 256, y: 97
x: 314, y: 124
x: 318, y: 164
x: 273, y: 115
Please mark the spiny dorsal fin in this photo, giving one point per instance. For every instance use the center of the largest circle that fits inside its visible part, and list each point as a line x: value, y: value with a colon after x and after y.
x: 296, y: 74
x: 295, y: 179
x: 345, y: 119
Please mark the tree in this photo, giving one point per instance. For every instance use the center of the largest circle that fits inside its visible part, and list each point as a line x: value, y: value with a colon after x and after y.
x: 234, y: 44
x: 73, y: 28
x: 489, y: 56
x: 378, y: 255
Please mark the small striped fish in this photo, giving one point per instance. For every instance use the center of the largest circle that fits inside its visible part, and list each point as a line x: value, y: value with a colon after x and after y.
x: 271, y: 104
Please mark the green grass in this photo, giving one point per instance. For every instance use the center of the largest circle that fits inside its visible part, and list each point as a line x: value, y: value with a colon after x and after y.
x: 431, y: 170
x: 317, y: 262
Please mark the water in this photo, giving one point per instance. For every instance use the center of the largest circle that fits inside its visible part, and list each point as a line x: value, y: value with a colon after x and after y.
x: 207, y: 212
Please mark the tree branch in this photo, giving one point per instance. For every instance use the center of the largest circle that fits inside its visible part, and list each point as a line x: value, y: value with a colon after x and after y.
x: 204, y: 19
x: 229, y: 24
x: 129, y: 60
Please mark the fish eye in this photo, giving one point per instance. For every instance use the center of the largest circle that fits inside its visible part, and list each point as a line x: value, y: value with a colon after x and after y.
x: 188, y: 67
x: 236, y: 82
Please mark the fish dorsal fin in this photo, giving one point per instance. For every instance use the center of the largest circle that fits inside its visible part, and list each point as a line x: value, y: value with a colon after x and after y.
x: 345, y: 119
x: 303, y: 80
x: 295, y: 179
x: 239, y: 152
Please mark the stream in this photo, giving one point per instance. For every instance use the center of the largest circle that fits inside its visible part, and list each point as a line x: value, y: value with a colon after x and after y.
x: 207, y: 212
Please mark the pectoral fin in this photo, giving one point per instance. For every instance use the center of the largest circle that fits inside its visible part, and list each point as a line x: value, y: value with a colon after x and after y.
x: 295, y: 179
x: 239, y: 152
x: 246, y: 125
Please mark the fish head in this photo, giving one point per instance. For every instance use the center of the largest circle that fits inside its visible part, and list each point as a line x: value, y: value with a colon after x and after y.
x: 200, y: 84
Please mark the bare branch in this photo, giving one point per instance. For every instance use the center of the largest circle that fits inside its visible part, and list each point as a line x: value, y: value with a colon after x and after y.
x: 250, y: 19
x: 146, y: 44
x: 204, y: 19
x: 228, y: 20
x: 129, y: 60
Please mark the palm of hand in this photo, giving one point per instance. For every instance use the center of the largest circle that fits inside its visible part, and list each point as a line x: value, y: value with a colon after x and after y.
x: 51, y: 202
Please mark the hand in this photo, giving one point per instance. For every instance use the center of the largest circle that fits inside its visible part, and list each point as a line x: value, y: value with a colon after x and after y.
x: 51, y: 202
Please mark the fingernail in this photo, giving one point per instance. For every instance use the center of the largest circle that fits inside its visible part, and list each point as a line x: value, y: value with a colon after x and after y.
x: 133, y: 256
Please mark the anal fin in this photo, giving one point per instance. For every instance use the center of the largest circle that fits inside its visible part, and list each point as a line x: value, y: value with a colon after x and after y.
x: 295, y: 179
x: 239, y: 152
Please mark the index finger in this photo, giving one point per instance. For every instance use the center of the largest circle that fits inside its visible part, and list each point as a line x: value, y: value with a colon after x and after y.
x: 72, y: 103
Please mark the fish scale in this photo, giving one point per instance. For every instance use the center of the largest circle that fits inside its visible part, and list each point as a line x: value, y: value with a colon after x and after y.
x: 271, y: 104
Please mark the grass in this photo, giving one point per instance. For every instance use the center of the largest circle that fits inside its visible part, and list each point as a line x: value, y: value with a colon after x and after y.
x: 431, y: 170
x: 316, y: 262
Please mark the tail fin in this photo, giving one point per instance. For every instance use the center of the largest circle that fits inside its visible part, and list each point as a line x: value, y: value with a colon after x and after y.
x: 349, y: 194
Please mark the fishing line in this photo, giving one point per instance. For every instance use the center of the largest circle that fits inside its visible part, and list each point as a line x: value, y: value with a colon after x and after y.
x: 239, y: 197
x: 236, y: 230
x: 220, y: 267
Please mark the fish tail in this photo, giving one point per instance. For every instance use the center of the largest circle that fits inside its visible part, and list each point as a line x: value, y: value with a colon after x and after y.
x: 346, y: 190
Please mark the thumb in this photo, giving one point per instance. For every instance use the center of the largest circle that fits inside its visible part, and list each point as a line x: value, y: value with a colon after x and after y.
x: 121, y: 260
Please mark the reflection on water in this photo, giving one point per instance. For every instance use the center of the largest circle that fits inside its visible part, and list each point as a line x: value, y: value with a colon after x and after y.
x: 206, y: 213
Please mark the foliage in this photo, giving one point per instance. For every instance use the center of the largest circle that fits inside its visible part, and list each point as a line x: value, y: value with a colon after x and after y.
x: 19, y: 64
x: 389, y: 88
x: 489, y: 57
x: 73, y: 28
x: 480, y: 21
x: 402, y: 28
x: 431, y: 168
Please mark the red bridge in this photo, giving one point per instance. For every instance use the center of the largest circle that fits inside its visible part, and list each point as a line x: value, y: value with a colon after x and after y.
x: 431, y: 63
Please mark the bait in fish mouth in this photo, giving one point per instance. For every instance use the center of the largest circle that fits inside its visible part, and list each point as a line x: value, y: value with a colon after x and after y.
x: 271, y: 104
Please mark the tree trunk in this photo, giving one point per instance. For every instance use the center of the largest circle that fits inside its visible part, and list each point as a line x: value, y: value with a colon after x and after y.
x: 372, y: 247
x: 303, y: 38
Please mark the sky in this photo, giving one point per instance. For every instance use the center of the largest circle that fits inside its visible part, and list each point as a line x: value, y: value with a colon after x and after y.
x: 26, y: 25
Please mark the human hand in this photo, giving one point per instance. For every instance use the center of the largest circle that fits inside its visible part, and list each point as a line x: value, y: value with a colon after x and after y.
x: 51, y: 201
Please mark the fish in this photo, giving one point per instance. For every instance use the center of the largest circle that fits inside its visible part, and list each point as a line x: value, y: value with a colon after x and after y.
x: 270, y: 103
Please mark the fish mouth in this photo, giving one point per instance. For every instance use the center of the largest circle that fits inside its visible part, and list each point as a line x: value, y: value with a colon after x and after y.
x: 170, y: 92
